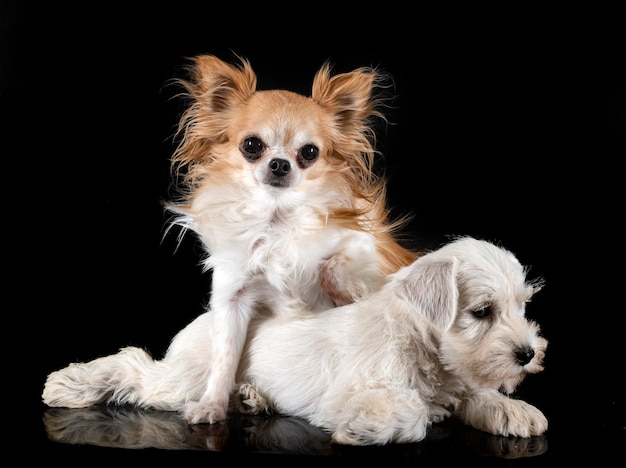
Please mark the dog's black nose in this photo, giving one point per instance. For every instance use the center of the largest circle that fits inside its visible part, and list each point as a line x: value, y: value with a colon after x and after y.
x: 524, y: 355
x: 280, y: 167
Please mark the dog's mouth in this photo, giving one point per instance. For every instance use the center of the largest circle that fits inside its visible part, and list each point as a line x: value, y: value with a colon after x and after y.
x: 503, y: 377
x: 509, y: 386
x: 279, y: 182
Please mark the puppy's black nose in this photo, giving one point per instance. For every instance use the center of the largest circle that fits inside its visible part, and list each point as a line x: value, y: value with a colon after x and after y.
x: 280, y: 167
x: 524, y: 355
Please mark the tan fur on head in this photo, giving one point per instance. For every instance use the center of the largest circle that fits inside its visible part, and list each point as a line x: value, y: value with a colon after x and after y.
x: 340, y: 112
x: 221, y: 93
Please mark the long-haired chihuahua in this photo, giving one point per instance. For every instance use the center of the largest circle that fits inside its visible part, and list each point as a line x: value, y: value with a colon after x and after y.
x: 282, y: 190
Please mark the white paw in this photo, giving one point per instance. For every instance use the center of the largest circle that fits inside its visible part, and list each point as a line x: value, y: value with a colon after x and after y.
x: 69, y: 388
x: 525, y: 420
x: 249, y: 401
x: 200, y: 412
x: 345, y: 279
x: 509, y: 417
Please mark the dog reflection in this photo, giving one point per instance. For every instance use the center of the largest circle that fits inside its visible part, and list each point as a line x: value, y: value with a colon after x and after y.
x: 134, y: 428
x: 510, y: 448
x: 131, y: 428
x: 502, y: 447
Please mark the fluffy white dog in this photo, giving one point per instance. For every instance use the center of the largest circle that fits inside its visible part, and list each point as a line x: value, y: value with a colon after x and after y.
x: 446, y: 335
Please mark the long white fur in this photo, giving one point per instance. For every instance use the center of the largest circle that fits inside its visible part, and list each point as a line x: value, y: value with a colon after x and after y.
x: 444, y: 336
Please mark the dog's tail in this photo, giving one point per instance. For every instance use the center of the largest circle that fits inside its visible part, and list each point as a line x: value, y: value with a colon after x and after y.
x: 131, y: 376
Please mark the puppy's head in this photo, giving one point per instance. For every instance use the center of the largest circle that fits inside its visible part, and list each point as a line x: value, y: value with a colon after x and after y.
x: 475, y: 293
x: 278, y: 144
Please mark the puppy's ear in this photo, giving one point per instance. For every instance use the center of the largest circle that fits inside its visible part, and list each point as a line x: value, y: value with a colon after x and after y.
x: 431, y: 288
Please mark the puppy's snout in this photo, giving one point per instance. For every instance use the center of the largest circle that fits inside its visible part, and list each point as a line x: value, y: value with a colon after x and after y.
x: 280, y: 167
x: 524, y: 355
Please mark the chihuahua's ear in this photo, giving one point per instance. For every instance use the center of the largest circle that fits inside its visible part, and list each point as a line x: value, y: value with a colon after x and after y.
x: 351, y: 95
x: 431, y: 288
x: 214, y: 88
x: 218, y: 84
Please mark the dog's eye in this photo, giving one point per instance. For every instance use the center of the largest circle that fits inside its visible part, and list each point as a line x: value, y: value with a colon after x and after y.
x: 252, y: 148
x: 308, y: 154
x: 483, y: 312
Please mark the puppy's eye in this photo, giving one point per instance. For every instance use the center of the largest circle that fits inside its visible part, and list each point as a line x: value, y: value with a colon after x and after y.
x: 307, y: 155
x: 483, y: 312
x: 252, y: 148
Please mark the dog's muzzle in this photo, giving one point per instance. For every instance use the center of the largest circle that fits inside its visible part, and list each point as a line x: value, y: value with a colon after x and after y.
x: 279, y: 172
x: 524, y: 355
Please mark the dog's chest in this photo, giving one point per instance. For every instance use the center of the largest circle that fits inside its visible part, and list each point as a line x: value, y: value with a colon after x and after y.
x: 286, y: 248
x: 285, y: 244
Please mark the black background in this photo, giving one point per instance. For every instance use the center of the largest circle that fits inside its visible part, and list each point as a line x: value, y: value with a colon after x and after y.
x: 507, y: 125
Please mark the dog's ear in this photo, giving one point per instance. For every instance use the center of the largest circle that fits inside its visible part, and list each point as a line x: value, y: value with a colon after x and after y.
x: 218, y: 84
x: 350, y: 96
x: 353, y: 101
x: 214, y: 88
x: 432, y: 289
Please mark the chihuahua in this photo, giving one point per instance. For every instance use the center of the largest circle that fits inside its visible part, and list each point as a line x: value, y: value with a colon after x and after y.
x: 282, y: 191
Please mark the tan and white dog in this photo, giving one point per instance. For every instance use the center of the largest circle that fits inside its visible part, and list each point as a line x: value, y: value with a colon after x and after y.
x: 446, y: 335
x: 281, y: 190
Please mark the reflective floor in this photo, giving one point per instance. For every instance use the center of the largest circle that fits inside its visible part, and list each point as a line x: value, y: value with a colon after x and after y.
x: 133, y: 429
x: 131, y: 434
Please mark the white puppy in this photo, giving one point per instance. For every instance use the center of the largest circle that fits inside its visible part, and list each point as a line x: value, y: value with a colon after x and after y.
x: 444, y: 336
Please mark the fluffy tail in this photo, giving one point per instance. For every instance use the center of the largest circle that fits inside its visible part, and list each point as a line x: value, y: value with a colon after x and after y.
x: 128, y: 377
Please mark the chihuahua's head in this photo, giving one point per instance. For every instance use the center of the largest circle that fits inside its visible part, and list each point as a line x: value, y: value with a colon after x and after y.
x: 277, y: 142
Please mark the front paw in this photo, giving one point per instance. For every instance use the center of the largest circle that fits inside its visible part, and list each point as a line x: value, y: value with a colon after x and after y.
x: 525, y: 420
x: 200, y: 412
x: 507, y: 417
x: 345, y: 279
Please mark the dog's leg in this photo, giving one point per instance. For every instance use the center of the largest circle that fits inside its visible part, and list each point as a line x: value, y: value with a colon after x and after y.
x: 132, y: 376
x: 493, y: 412
x: 352, y: 273
x: 231, y: 311
x: 228, y: 341
x: 380, y: 416
x: 116, y: 378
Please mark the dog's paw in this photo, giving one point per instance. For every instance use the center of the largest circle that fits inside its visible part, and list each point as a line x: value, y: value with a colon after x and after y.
x: 508, y: 417
x: 380, y: 416
x: 524, y: 420
x: 70, y: 388
x: 372, y: 430
x: 201, y: 412
x: 344, y: 436
x: 247, y: 400
x: 349, y: 276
